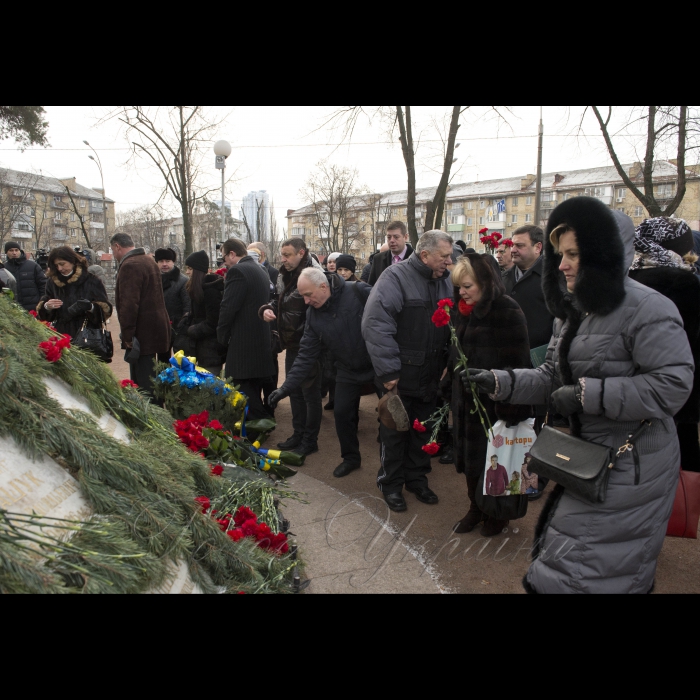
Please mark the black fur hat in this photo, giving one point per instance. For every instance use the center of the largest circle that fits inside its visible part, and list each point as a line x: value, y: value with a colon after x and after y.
x: 165, y: 254
x: 600, y: 284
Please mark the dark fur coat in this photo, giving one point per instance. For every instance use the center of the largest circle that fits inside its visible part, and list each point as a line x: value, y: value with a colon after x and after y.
x: 494, y: 336
x: 81, y: 284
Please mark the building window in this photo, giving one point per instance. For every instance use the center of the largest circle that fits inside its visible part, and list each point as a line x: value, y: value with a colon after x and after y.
x: 57, y: 216
x: 548, y: 197
x: 664, y: 191
x: 638, y: 211
x: 469, y: 238
x: 513, y: 218
x: 515, y: 201
x: 528, y: 200
x: 82, y: 204
x: 57, y: 198
x: 482, y: 204
x: 470, y: 221
x: 528, y: 218
x: 620, y: 194
x: 565, y: 196
x: 72, y: 216
x: 298, y: 232
x: 481, y: 221
x: 23, y: 227
x: 470, y: 205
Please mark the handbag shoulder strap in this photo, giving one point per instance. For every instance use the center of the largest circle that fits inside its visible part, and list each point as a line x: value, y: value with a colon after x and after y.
x: 630, y: 447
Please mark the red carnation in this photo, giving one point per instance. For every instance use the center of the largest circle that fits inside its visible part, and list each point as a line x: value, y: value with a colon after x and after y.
x: 63, y: 342
x: 483, y: 230
x: 127, y: 382
x: 431, y: 448
x: 236, y: 535
x: 242, y: 515
x: 204, y: 503
x: 464, y: 308
x: 218, y: 470
x: 507, y: 242
x: 419, y: 427
x: 441, y: 317
x: 446, y: 302
x: 215, y: 425
x: 34, y: 313
x: 221, y: 271
x: 278, y: 543
x: 250, y: 528
x: 496, y: 236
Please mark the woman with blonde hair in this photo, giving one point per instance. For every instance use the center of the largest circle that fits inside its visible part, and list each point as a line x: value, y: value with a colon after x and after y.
x: 492, y: 331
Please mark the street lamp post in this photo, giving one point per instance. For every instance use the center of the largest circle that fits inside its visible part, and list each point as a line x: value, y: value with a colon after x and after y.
x: 222, y: 150
x: 104, y: 202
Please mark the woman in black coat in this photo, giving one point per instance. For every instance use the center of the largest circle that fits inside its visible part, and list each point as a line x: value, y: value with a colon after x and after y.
x: 491, y: 329
x: 73, y: 295
x: 196, y: 333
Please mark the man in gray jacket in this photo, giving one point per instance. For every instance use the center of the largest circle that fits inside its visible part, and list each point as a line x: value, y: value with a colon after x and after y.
x: 409, y: 354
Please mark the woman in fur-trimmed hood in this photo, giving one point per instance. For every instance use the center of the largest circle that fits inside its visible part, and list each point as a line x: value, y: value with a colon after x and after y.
x: 72, y: 293
x: 618, y: 355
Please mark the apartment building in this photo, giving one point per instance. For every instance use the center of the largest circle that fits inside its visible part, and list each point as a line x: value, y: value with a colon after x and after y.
x: 504, y: 204
x: 45, y: 212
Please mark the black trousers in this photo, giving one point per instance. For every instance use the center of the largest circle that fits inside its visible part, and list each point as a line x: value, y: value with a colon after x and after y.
x: 402, y: 459
x: 252, y: 388
x: 143, y: 373
x: 347, y: 417
x: 306, y: 405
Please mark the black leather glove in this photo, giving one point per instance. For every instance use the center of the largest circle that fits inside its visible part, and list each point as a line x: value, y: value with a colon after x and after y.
x: 81, y: 306
x: 567, y: 400
x: 275, y: 397
x: 483, y: 378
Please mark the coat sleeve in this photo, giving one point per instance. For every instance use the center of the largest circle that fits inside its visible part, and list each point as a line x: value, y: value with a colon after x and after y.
x: 532, y: 386
x: 185, y: 299
x: 235, y: 293
x: 98, y: 296
x: 130, y: 298
x: 39, y: 279
x: 375, y: 271
x: 44, y: 313
x: 661, y: 353
x: 379, y: 327
x: 309, y: 350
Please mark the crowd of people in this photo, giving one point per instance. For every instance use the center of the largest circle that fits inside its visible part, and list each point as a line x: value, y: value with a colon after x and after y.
x: 592, y: 327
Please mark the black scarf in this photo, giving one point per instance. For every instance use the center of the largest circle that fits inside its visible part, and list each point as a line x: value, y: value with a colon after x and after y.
x: 169, y: 278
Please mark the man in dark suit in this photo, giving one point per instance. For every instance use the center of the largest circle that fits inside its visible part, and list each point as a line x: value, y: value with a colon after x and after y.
x: 249, y: 357
x: 399, y: 250
x: 523, y: 283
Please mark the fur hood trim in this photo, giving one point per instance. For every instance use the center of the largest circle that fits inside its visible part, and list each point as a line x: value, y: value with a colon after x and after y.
x: 60, y: 281
x: 600, y: 285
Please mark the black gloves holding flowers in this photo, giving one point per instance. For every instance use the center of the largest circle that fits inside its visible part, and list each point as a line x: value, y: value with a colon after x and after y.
x: 483, y: 378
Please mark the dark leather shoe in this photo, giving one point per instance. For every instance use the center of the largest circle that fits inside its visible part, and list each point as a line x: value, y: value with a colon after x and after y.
x: 535, y: 496
x: 345, y: 468
x: 290, y: 443
x: 423, y: 494
x: 447, y: 457
x: 396, y: 502
x: 306, y: 449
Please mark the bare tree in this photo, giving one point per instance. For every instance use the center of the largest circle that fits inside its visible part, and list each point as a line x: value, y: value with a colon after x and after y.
x: 400, y: 118
x: 333, y: 194
x: 17, y: 201
x: 146, y: 226
x: 676, y: 128
x: 378, y: 210
x: 173, y: 139
x: 275, y: 239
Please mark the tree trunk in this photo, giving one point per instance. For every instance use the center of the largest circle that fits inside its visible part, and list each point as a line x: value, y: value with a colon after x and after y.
x: 406, y: 136
x: 441, y: 193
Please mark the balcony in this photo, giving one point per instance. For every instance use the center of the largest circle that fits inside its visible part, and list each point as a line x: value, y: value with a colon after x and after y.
x: 96, y: 207
x: 21, y: 234
x: 96, y: 224
x: 58, y: 205
x: 495, y: 225
x: 455, y: 227
x: 455, y: 212
x: 59, y: 236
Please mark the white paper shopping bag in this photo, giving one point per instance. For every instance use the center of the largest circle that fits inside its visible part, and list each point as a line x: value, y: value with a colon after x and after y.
x: 507, y: 457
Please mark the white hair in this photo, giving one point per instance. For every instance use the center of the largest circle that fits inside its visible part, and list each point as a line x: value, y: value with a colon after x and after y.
x: 314, y: 275
x: 430, y: 241
x: 332, y: 257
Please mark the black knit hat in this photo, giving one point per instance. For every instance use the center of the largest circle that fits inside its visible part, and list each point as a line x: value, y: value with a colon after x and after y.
x: 12, y: 244
x: 198, y: 261
x: 346, y: 261
x: 165, y: 254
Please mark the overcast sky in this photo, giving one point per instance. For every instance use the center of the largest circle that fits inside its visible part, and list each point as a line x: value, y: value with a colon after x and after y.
x: 276, y: 148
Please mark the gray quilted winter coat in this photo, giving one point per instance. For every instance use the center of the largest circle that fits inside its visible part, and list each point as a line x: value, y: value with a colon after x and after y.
x: 632, y: 351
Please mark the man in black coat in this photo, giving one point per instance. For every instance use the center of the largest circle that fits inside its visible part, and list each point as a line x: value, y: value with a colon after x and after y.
x: 177, y: 300
x: 289, y: 309
x: 333, y: 323
x: 523, y: 282
x: 30, y: 278
x: 249, y: 357
x: 399, y: 250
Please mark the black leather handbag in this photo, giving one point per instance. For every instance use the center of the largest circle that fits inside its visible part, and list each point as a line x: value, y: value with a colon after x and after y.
x: 581, y: 467
x: 96, y: 340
